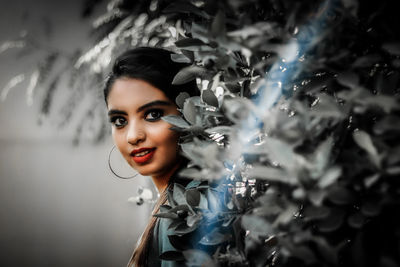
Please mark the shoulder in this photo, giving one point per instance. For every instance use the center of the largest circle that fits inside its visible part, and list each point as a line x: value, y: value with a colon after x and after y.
x: 162, y: 235
x: 164, y: 245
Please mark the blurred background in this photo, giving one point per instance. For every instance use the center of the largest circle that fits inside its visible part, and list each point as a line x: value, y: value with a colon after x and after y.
x: 59, y: 203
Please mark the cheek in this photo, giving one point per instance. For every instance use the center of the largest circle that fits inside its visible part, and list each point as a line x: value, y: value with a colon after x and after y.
x: 115, y: 137
x: 165, y: 137
x: 118, y: 139
x: 172, y: 143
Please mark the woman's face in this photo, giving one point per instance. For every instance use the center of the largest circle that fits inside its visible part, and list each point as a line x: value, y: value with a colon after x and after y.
x: 135, y: 108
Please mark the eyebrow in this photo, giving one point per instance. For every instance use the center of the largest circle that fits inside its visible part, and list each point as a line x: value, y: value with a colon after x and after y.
x: 141, y: 108
x: 116, y: 112
x: 154, y: 103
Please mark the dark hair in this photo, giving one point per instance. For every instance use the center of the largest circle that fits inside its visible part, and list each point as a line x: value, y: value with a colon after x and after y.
x: 153, y: 65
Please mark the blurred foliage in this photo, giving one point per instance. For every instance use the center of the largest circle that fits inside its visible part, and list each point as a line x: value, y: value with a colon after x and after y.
x: 316, y: 183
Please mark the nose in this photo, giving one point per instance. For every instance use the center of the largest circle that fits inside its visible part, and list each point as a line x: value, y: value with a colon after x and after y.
x: 136, y: 134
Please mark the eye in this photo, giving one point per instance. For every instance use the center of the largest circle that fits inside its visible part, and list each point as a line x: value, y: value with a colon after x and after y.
x: 118, y: 122
x: 153, y: 115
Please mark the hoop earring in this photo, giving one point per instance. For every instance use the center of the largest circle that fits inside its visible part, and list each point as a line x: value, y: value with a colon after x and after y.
x: 111, y: 169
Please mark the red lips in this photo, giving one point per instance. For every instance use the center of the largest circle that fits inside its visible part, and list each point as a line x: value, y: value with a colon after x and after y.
x: 148, y: 154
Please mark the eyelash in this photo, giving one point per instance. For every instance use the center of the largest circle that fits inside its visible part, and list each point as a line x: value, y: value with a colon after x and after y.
x: 157, y: 118
x: 114, y: 119
x: 160, y: 113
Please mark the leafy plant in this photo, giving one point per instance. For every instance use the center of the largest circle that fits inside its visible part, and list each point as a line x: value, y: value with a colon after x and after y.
x: 294, y: 139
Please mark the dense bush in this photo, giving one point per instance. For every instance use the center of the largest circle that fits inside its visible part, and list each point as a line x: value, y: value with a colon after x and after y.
x: 294, y: 139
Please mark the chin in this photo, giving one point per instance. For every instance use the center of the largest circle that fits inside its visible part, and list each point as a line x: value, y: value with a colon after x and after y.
x: 145, y: 171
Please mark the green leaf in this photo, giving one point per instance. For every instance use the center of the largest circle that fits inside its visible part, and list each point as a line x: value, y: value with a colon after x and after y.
x: 169, y: 215
x: 218, y: 25
x: 184, y: 228
x: 386, y: 103
x: 192, y: 173
x: 392, y: 48
x: 180, y: 58
x: 330, y: 177
x: 351, y: 6
x: 371, y: 180
x: 280, y: 152
x: 305, y: 254
x: 366, y: 61
x: 356, y: 220
x: 316, y: 197
x: 180, y: 242
x: 332, y: 222
x: 224, y: 130
x: 385, y: 84
x: 213, y: 200
x: 170, y: 199
x: 321, y: 157
x: 314, y: 213
x: 189, y: 149
x: 199, y: 31
x: 387, y: 124
x: 215, y: 82
x: 237, y: 109
x: 349, y: 79
x: 179, y: 194
x: 233, y: 87
x: 180, y: 207
x: 393, y: 170
x: 327, y: 107
x: 189, y: 42
x: 188, y: 54
x: 176, y: 121
x: 371, y: 208
x: 365, y: 142
x: 317, y: 83
x: 172, y: 256
x: 193, y: 197
x: 192, y: 220
x: 287, y: 215
x: 180, y: 99
x: 229, y: 221
x: 246, y: 32
x: 299, y: 193
x: 185, y: 7
x: 341, y: 196
x: 208, y: 97
x: 174, y: 224
x: 363, y: 139
x: 189, y: 112
x: 256, y: 226
x: 188, y: 74
x: 203, y: 204
x: 271, y: 174
x: 164, y: 208
x: 213, y: 238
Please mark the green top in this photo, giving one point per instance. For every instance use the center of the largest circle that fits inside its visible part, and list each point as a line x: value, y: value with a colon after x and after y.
x: 160, y: 242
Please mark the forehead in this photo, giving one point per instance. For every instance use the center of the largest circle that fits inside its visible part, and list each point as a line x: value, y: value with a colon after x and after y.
x: 133, y: 93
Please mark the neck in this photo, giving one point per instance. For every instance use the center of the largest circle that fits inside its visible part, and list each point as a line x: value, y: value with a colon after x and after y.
x: 161, y: 182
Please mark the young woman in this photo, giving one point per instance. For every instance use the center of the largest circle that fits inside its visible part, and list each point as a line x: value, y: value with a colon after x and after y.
x: 138, y: 92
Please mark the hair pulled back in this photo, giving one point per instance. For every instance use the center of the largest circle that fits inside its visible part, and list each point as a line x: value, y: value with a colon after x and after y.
x: 153, y: 65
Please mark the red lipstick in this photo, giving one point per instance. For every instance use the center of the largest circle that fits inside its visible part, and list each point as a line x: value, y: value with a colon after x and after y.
x: 142, y: 155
